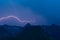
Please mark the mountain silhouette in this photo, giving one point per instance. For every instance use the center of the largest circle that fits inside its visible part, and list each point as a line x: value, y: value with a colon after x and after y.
x: 30, y: 32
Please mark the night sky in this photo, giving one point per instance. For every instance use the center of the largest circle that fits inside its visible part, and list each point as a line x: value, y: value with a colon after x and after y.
x: 40, y: 11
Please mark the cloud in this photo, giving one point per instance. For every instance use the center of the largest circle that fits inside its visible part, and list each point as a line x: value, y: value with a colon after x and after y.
x: 25, y: 9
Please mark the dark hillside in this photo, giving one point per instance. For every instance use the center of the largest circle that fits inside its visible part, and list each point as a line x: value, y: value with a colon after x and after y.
x: 30, y: 32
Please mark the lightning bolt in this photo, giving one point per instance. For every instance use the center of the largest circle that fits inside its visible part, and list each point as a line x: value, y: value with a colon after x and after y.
x: 15, y: 17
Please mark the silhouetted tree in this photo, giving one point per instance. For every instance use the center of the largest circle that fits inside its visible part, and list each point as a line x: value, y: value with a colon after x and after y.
x: 34, y: 33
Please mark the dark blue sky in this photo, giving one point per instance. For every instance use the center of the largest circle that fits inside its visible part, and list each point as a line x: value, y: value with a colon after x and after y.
x: 42, y: 11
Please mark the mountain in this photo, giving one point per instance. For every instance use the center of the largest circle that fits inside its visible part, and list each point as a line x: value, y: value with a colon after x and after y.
x: 9, y: 31
x: 30, y: 32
